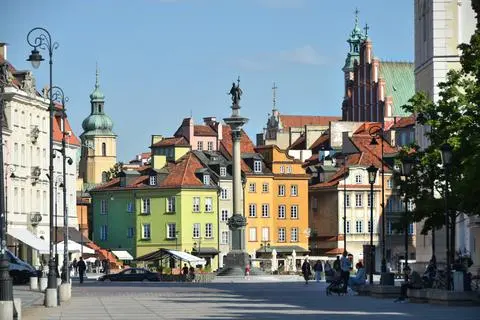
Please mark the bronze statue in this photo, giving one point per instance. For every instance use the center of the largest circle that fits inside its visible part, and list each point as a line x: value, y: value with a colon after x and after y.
x: 236, y: 93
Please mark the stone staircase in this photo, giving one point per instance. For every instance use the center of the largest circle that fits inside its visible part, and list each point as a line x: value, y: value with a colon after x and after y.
x: 105, y: 254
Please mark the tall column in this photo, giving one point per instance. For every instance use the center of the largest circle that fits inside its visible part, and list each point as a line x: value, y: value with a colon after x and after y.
x: 238, y: 234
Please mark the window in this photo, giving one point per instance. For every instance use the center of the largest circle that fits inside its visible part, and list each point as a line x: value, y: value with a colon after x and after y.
x: 281, y: 235
x: 103, y: 206
x: 23, y: 157
x: 281, y: 211
x: 369, y: 202
x: 104, y: 149
x: 282, y: 169
x: 196, y: 230
x: 206, y: 179
x: 289, y: 169
x: 252, y: 187
x: 15, y: 154
x: 389, y: 183
x: 171, y: 231
x: 265, y: 210
x: 369, y: 226
x: 410, y: 228
x: 358, y: 200
x: 153, y: 180
x: 208, y: 230
x: 210, y: 145
x: 265, y: 187
x: 171, y: 204
x: 224, y: 215
x: 252, y: 210
x: 104, y: 232
x: 200, y: 145
x: 281, y: 190
x: 104, y: 176
x: 196, y: 204
x: 265, y: 234
x: 389, y: 227
x: 358, y: 179
x: 294, y: 235
x: 224, y: 194
x: 146, y: 205
x: 225, y: 236
x: 348, y: 226
x: 130, y: 207
x: 208, y: 204
x: 347, y: 200
x: 294, y: 190
x: 223, y: 172
x: 146, y: 231
x: 130, y: 232
x: 358, y: 226
x: 252, y: 233
x: 294, y: 211
x: 257, y: 166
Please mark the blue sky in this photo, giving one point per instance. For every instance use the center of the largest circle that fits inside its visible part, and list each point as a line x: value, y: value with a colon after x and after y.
x: 162, y: 60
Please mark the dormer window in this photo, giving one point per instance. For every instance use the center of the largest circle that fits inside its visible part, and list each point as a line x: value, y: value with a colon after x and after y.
x: 257, y: 166
x: 153, y: 181
x: 223, y: 172
x: 358, y: 179
x: 206, y: 179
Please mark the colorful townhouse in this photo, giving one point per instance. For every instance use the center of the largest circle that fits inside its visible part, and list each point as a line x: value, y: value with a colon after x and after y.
x: 171, y: 204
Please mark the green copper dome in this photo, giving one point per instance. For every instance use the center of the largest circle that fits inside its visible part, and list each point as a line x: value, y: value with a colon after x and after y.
x: 97, y: 123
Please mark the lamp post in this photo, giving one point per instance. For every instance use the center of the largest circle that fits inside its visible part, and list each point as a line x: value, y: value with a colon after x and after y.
x: 265, y: 245
x: 9, y: 168
x: 176, y: 239
x: 40, y: 38
x: 59, y: 95
x: 446, y: 154
x: 407, y: 165
x: 372, y: 175
x: 345, y: 204
x: 378, y: 132
x: 6, y: 288
x: 198, y: 245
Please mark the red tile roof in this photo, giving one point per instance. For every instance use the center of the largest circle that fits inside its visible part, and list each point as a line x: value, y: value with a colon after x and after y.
x: 323, y: 142
x: 57, y: 131
x: 300, y: 121
x: 298, y: 144
x: 226, y: 145
x: 202, y: 130
x: 405, y: 122
x: 172, y: 141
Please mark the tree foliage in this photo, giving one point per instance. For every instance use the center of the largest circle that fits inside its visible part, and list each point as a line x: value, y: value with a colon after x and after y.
x: 453, y: 119
x: 114, y: 171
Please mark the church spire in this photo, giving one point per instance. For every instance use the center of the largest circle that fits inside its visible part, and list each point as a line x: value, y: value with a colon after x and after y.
x: 97, y: 95
x: 355, y: 40
x: 274, y: 92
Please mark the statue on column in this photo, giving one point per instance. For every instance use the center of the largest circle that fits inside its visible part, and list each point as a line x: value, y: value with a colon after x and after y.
x: 236, y: 93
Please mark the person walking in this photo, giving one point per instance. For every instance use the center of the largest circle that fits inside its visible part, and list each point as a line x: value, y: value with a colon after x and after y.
x: 81, y: 268
x: 185, y: 272
x: 345, y: 266
x: 306, y: 270
x: 318, y: 270
x: 75, y: 267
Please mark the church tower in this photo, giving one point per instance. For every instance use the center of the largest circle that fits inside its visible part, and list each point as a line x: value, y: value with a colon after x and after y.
x: 99, y: 143
x: 355, y: 41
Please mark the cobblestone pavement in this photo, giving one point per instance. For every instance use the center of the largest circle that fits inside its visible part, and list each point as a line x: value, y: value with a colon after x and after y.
x: 254, y: 298
x: 28, y: 297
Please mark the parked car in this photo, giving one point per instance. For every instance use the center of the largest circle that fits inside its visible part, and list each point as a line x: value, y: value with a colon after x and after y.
x: 19, y: 270
x: 131, y: 274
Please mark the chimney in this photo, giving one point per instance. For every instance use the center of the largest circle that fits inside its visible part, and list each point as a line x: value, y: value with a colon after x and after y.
x: 3, y: 50
x: 209, y: 121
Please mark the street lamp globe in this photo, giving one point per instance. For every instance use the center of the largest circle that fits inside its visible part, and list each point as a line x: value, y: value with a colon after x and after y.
x: 372, y: 174
x: 35, y: 58
x: 446, y: 154
x: 407, y: 166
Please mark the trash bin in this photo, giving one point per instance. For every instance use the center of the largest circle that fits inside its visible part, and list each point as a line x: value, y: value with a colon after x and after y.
x: 458, y: 281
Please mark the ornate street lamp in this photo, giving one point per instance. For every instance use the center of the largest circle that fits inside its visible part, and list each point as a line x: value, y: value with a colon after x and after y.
x: 265, y: 245
x: 377, y: 132
x: 446, y: 155
x: 372, y: 175
x: 40, y: 38
x: 407, y: 166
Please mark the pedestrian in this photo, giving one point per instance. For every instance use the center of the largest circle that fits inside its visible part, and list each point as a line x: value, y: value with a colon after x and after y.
x: 247, y: 271
x: 359, y: 278
x: 318, y: 270
x: 75, y: 266
x: 185, y: 271
x: 306, y: 270
x: 97, y: 266
x: 81, y: 268
x: 336, y: 264
x: 414, y: 282
x: 346, y: 266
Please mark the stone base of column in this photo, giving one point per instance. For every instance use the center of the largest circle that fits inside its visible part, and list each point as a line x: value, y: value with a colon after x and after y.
x: 64, y: 292
x: 234, y: 263
x: 6, y: 310
x: 51, y: 298
x: 43, y: 282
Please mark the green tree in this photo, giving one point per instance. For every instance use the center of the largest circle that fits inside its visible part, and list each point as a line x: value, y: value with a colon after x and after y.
x: 114, y: 171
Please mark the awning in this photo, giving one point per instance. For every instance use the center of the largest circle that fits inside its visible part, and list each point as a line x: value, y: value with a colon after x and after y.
x: 180, y: 255
x: 206, y: 251
x: 283, y: 249
x: 122, y: 254
x: 74, y: 247
x: 29, y: 239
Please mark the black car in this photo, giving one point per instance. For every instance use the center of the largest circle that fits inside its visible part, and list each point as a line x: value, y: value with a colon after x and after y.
x: 131, y: 274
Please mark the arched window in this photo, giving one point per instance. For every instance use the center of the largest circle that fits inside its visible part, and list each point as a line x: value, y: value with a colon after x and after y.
x: 104, y: 176
x: 104, y: 149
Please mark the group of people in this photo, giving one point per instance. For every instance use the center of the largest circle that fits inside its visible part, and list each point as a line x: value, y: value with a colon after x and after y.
x: 188, y: 273
x: 79, y: 267
x: 339, y: 274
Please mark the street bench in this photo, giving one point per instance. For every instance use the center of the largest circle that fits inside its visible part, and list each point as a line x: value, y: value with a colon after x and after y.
x: 418, y: 295
x: 451, y: 298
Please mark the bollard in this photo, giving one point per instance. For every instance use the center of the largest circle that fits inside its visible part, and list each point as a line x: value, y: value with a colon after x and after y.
x: 43, y: 283
x: 33, y: 283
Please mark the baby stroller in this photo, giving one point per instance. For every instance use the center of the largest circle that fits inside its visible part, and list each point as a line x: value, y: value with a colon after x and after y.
x: 337, y: 285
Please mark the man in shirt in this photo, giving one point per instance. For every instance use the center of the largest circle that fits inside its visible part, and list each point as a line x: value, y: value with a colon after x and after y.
x: 346, y: 266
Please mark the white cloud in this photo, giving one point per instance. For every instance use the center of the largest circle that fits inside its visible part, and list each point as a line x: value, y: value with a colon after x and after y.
x: 282, y: 4
x: 305, y: 55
